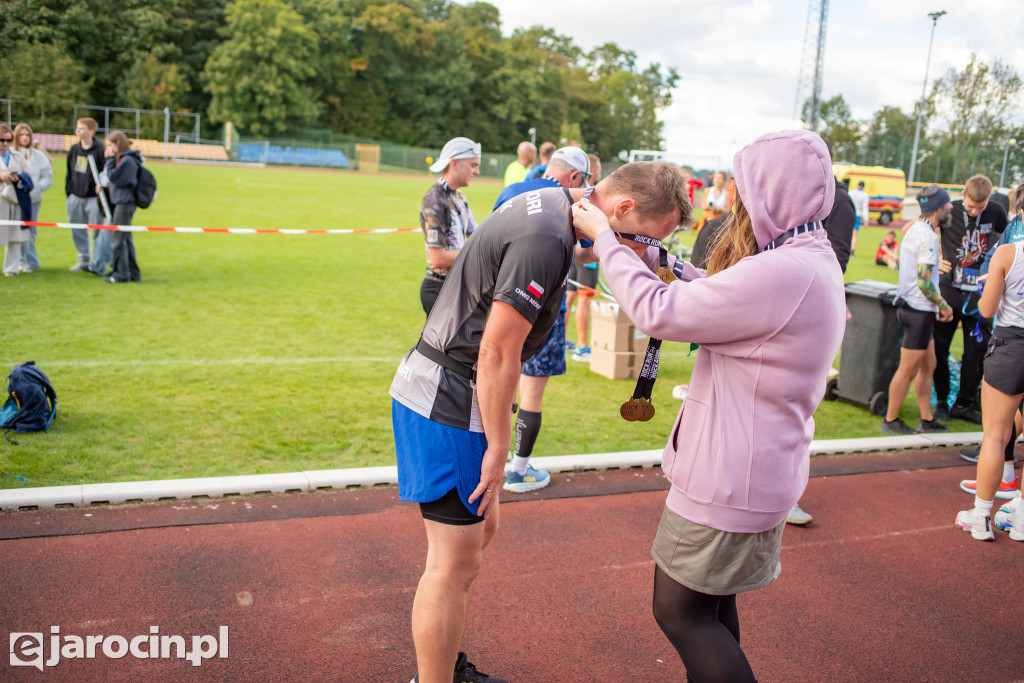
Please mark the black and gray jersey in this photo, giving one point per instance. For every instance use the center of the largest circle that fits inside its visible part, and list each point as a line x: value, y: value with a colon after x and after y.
x: 519, y: 255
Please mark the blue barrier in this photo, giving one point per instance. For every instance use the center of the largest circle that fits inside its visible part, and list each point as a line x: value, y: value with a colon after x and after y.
x: 300, y: 156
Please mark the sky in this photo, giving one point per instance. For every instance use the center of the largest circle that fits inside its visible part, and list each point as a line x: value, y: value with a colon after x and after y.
x: 739, y: 60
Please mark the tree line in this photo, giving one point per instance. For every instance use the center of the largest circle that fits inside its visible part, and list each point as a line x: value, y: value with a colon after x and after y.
x: 408, y: 71
x: 967, y: 127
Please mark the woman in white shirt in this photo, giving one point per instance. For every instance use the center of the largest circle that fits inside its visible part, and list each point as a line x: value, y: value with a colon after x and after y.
x: 37, y: 165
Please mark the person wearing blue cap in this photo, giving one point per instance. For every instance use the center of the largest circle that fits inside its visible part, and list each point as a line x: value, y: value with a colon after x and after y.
x: 919, y: 304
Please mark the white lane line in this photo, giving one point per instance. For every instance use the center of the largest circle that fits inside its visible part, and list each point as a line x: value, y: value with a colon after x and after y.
x: 873, y: 537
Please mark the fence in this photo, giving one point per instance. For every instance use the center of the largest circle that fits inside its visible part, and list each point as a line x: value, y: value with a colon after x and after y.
x: 138, y: 123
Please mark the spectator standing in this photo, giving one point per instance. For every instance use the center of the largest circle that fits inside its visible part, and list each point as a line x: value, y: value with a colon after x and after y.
x: 546, y: 150
x: 920, y: 303
x: 11, y: 236
x: 861, y: 202
x: 526, y: 153
x: 974, y: 225
x: 769, y: 320
x: 122, y: 167
x: 82, y: 203
x: 1002, y: 390
x: 841, y: 221
x: 587, y: 274
x: 445, y: 217
x: 37, y: 165
x: 692, y: 184
x: 714, y: 199
x: 568, y: 167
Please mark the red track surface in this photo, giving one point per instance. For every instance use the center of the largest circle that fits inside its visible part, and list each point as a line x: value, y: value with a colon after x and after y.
x: 881, y: 587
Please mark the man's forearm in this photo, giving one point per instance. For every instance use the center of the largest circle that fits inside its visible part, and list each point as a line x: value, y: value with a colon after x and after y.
x: 497, y: 372
x: 927, y: 287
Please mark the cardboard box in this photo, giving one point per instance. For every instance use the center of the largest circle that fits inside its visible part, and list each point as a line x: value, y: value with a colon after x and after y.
x: 616, y: 364
x: 611, y: 330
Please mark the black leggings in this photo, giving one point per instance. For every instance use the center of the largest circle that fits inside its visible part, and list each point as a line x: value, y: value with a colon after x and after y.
x: 704, y: 629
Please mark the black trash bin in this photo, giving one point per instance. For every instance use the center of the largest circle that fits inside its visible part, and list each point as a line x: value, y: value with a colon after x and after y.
x: 871, y: 347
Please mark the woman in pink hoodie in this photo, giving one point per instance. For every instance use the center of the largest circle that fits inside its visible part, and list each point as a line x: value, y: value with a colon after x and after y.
x: 769, y: 315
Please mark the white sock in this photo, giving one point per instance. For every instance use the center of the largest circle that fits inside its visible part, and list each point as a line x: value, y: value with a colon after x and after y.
x: 1008, y: 471
x: 519, y: 464
x: 984, y: 507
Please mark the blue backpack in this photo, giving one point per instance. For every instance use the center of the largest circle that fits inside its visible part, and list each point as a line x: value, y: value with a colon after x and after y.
x: 31, y: 402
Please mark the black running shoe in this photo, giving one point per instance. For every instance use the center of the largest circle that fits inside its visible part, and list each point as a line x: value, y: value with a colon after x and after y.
x: 962, y: 412
x: 970, y: 454
x: 898, y: 427
x: 465, y: 672
x: 932, y: 425
x: 942, y: 411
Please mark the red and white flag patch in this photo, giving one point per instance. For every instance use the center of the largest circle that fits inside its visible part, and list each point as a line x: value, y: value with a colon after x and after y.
x: 535, y: 289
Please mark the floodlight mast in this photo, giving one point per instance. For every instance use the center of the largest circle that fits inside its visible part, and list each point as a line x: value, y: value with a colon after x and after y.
x: 920, y: 110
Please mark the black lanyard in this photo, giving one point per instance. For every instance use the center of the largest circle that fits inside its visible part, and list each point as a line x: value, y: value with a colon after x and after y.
x: 639, y: 408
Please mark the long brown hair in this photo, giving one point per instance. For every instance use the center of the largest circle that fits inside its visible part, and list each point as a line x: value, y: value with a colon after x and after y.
x: 121, y: 144
x: 735, y: 242
x: 17, y: 133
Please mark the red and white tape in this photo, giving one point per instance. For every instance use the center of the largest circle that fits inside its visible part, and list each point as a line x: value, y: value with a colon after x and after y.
x: 233, y: 231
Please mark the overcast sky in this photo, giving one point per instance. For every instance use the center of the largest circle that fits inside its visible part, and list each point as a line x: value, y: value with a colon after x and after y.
x: 740, y: 59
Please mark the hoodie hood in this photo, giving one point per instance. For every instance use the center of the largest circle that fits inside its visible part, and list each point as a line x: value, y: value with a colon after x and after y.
x: 784, y: 180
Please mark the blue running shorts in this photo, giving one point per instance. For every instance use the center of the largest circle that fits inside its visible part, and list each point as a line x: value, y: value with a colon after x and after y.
x: 550, y: 360
x: 434, y: 458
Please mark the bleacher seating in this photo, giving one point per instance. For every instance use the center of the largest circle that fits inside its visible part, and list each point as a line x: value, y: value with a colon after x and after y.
x: 148, y: 148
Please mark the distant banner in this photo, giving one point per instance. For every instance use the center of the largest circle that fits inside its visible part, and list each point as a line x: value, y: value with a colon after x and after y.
x: 233, y: 231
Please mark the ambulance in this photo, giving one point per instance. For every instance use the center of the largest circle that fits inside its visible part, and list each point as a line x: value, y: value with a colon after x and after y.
x: 886, y: 188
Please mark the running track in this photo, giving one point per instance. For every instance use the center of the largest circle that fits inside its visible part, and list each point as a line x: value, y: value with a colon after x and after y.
x: 318, y: 587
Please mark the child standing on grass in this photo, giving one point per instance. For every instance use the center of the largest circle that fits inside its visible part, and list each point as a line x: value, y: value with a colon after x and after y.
x: 122, y: 167
x: 82, y: 204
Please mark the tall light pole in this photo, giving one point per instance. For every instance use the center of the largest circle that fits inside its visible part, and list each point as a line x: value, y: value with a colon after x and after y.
x: 920, y: 110
x: 1009, y: 143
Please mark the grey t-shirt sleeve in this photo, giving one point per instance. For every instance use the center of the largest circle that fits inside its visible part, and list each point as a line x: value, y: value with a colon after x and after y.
x: 531, y: 274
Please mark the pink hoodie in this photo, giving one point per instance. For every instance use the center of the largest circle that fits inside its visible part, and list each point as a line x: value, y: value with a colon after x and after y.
x: 769, y: 329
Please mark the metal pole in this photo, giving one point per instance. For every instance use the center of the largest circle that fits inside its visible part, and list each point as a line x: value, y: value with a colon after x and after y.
x: 924, y: 87
x: 1006, y: 155
x: 167, y: 132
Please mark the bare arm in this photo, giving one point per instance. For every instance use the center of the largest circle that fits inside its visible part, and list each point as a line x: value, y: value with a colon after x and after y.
x: 498, y: 368
x: 441, y: 259
x: 995, y: 284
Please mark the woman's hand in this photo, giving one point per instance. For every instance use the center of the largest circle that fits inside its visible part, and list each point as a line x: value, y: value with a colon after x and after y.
x: 589, y: 220
x: 492, y: 470
x: 11, y: 177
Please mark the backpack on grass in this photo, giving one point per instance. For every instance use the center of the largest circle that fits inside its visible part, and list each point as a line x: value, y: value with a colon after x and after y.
x: 145, y: 188
x: 31, y: 401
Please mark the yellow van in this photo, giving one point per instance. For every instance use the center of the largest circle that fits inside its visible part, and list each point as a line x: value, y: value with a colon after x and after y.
x: 886, y: 188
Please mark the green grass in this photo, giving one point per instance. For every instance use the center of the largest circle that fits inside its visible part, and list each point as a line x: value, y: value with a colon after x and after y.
x: 244, y: 354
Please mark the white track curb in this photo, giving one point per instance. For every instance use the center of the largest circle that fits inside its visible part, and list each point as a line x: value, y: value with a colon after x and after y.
x: 294, y: 482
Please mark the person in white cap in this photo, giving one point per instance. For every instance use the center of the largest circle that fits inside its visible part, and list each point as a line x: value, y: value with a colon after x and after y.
x: 445, y: 217
x: 568, y: 167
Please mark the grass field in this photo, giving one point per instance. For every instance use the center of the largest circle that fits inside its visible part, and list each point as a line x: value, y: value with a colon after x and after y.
x: 244, y: 354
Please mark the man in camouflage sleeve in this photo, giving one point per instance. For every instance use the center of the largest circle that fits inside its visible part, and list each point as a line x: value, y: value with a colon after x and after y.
x: 445, y: 217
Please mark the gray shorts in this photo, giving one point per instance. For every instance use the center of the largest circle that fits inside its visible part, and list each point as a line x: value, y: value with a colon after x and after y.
x: 716, y: 562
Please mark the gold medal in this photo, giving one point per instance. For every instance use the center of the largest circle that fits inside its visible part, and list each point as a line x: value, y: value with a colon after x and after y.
x: 631, y: 410
x: 666, y: 275
x: 647, y: 410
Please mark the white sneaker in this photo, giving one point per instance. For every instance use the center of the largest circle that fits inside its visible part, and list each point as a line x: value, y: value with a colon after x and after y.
x: 979, y: 525
x: 1010, y: 518
x: 679, y: 391
x: 798, y: 516
x: 79, y: 267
